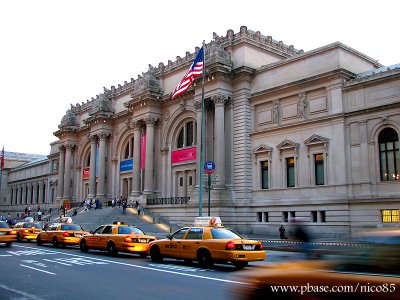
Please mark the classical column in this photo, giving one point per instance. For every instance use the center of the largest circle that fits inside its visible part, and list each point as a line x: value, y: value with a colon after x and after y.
x: 219, y: 133
x: 41, y: 192
x: 61, y: 173
x: 184, y: 183
x: 197, y: 105
x: 92, y: 178
x: 102, y: 164
x: 137, y: 125
x: 67, y: 174
x: 35, y: 189
x: 148, y: 174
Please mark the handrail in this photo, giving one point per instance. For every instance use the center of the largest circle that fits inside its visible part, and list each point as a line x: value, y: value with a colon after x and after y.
x: 167, y: 201
x: 157, y: 219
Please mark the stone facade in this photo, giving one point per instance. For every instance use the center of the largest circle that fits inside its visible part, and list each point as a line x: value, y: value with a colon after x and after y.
x: 293, y: 134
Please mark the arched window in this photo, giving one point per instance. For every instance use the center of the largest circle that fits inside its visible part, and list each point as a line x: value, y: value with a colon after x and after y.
x: 128, y: 150
x: 186, y: 136
x: 389, y: 156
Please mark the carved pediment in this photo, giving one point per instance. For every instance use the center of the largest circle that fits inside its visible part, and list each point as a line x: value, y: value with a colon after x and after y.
x: 287, y: 144
x: 316, y: 139
x: 262, y: 149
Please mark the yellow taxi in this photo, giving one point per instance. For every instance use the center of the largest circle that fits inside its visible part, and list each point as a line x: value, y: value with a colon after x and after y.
x: 207, y: 241
x: 117, y: 237
x: 369, y: 270
x: 27, y: 230
x: 61, y: 234
x: 7, y: 234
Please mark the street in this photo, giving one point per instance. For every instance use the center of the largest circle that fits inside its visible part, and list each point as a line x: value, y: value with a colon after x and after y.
x: 32, y: 272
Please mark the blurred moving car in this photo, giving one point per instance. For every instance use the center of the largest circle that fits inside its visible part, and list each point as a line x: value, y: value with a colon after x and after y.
x: 371, y: 270
x: 27, y: 230
x: 117, y: 237
x: 7, y: 234
x: 61, y: 234
x: 207, y: 241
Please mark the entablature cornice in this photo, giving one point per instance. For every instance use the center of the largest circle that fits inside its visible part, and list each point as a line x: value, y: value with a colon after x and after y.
x: 340, y: 74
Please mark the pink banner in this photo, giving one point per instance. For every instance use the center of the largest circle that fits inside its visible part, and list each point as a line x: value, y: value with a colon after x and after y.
x: 86, y: 172
x: 183, y: 155
x: 143, y: 152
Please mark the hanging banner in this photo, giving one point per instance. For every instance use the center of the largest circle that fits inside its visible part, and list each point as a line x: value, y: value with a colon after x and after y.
x: 126, y: 165
x: 183, y: 155
x: 142, y: 152
x: 86, y: 173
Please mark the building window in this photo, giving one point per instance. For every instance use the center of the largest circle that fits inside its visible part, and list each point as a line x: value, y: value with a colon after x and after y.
x: 180, y: 181
x: 285, y: 216
x: 186, y: 136
x: 292, y: 215
x: 190, y: 180
x: 389, y: 156
x: 322, y: 216
x: 259, y: 216
x: 264, y: 175
x: 290, y: 172
x: 390, y: 215
x: 319, y: 169
x: 314, y: 216
x: 266, y: 217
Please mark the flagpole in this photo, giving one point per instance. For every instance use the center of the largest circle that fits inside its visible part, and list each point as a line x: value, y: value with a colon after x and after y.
x: 202, y: 134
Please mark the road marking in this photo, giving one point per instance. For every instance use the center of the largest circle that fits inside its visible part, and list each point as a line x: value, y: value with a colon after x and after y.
x: 180, y: 268
x: 29, y: 296
x: 38, y: 269
x: 58, y: 262
x: 149, y: 268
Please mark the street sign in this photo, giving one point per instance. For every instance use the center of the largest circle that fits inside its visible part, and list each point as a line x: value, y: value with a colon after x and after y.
x: 209, y: 167
x: 213, y: 177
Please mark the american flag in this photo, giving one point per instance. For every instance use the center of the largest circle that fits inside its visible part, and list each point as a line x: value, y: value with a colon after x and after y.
x: 196, y: 70
x: 2, y: 159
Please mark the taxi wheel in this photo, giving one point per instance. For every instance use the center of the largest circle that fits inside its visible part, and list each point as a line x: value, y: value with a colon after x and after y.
x: 55, y: 243
x: 204, y: 258
x: 8, y: 244
x: 83, y: 247
x: 39, y: 241
x: 111, y: 249
x: 240, y: 264
x: 155, y: 254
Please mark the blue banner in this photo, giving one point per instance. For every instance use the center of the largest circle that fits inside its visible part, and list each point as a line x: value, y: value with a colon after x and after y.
x: 126, y: 165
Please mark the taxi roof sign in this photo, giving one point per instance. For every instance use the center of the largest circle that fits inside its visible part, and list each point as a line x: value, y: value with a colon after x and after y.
x: 208, y: 221
x: 67, y: 220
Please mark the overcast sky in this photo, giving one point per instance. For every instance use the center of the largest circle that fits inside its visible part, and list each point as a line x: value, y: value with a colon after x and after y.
x: 54, y: 53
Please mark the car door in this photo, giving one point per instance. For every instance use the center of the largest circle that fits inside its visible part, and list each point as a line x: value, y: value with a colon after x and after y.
x: 92, y: 240
x: 103, y: 238
x: 46, y: 236
x: 192, y: 242
x: 173, y: 247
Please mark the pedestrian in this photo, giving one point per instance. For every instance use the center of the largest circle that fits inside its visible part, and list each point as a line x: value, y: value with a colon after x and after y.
x: 124, y: 206
x: 38, y: 208
x: 65, y: 211
x: 282, y: 232
x: 50, y: 210
x: 39, y: 215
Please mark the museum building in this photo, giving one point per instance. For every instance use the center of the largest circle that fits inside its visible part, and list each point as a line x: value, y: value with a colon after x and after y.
x: 294, y: 135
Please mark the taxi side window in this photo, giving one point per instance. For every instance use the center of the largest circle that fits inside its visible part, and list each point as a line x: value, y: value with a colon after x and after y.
x: 180, y: 233
x: 107, y: 230
x: 195, y: 234
x: 98, y: 230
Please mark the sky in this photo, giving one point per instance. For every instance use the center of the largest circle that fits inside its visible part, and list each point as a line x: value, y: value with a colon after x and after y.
x: 54, y: 53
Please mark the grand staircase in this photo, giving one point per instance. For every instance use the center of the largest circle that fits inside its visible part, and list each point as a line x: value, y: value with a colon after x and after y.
x: 91, y: 219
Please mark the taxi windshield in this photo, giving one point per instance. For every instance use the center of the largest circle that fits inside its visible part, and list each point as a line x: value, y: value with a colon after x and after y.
x: 128, y: 230
x: 71, y: 227
x: 222, y: 233
x: 29, y: 225
x: 4, y: 225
